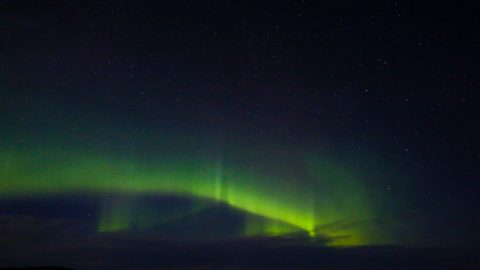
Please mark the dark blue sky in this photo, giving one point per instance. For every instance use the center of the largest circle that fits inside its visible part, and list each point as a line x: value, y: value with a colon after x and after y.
x: 390, y: 89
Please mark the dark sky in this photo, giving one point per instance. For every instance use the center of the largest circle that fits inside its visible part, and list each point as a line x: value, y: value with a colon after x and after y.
x: 347, y: 122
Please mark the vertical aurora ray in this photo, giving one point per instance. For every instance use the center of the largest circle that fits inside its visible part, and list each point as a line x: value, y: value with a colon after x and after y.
x: 344, y: 205
x: 116, y: 215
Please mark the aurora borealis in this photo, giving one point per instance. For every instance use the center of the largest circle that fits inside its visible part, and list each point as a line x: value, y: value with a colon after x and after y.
x: 330, y: 196
x: 239, y: 135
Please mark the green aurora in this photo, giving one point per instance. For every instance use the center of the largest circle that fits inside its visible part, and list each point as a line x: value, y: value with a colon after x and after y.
x: 331, y: 202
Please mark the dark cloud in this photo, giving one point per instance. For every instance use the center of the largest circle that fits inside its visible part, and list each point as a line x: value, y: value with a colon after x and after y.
x: 29, y: 240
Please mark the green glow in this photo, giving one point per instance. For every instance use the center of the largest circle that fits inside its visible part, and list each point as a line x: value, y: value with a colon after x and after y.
x: 261, y: 226
x: 327, y: 204
x: 115, y: 216
x: 123, y: 213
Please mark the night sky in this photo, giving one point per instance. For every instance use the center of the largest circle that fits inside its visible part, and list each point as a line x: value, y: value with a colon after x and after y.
x: 137, y: 128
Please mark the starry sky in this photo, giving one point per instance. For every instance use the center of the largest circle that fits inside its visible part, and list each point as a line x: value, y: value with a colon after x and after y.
x: 135, y: 125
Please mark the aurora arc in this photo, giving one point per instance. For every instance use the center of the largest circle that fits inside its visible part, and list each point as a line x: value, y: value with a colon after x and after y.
x: 288, y: 207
